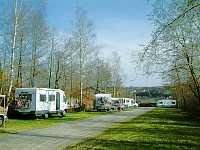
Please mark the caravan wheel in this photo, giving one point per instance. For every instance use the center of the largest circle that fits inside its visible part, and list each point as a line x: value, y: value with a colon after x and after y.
x: 63, y: 113
x: 46, y: 116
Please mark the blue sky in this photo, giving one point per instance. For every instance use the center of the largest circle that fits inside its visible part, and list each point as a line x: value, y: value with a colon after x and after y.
x: 120, y: 25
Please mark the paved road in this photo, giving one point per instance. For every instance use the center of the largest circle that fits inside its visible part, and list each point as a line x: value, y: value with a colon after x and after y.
x: 61, y: 135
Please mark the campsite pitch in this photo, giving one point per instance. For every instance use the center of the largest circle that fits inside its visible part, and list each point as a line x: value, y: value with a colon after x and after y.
x: 19, y: 125
x: 160, y: 129
x: 64, y: 134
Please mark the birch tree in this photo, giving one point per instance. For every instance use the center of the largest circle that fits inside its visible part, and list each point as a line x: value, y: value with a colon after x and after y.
x: 38, y: 38
x: 83, y: 36
x: 16, y: 8
x: 115, y: 69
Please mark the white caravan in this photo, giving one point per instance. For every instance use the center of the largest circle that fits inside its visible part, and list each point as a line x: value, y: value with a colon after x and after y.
x: 117, y: 103
x: 40, y: 101
x: 130, y: 102
x: 102, y: 102
x: 124, y: 102
x: 166, y: 103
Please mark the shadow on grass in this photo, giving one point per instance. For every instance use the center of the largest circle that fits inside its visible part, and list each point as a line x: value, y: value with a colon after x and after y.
x: 130, y: 145
x: 159, y: 129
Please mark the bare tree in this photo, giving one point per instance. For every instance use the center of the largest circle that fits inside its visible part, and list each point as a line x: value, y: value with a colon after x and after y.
x: 16, y: 8
x: 174, y: 48
x: 116, y: 77
x: 38, y: 37
x: 83, y: 36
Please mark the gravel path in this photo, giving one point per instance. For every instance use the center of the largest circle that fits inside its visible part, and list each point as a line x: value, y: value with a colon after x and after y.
x: 61, y: 135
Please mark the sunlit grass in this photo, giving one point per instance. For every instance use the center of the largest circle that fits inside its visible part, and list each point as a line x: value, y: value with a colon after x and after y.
x: 158, y: 129
x: 16, y: 125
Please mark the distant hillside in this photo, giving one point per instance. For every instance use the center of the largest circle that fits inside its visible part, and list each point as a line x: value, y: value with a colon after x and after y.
x: 159, y: 91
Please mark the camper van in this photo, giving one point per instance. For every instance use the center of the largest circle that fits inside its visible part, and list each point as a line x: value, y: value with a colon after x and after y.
x: 166, y: 103
x: 117, y: 103
x: 128, y: 102
x: 124, y: 103
x: 102, y: 102
x: 40, y: 101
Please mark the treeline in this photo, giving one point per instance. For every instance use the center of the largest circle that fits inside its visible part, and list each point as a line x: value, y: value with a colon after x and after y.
x: 33, y: 54
x: 174, y: 50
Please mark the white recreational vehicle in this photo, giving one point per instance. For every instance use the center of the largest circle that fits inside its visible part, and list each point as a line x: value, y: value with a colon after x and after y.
x: 40, y: 101
x: 166, y: 103
x: 117, y: 103
x: 124, y: 102
x: 130, y: 102
x: 102, y: 102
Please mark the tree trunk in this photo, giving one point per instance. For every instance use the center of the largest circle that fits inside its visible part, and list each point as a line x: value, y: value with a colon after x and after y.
x: 51, y: 61
x: 81, y: 84
x: 57, y: 74
x: 196, y: 91
x: 19, y: 72
x: 71, y: 76
x: 14, y: 34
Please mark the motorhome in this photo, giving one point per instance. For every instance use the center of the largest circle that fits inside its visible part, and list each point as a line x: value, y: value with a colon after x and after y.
x: 166, y: 103
x: 117, y: 103
x: 102, y: 102
x: 123, y: 103
x: 40, y: 101
x: 130, y: 102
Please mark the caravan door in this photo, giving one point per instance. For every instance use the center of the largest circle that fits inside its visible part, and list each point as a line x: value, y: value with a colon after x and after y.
x: 57, y: 101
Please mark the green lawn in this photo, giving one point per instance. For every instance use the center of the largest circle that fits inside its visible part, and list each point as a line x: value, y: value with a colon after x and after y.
x: 16, y: 125
x: 159, y: 129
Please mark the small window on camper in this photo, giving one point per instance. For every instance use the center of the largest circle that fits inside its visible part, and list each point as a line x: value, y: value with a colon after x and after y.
x: 43, y: 98
x: 127, y: 101
x: 23, y: 96
x: 160, y: 102
x: 173, y: 102
x: 51, y: 97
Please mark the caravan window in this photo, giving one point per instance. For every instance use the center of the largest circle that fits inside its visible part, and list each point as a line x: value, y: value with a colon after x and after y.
x: 27, y: 97
x: 23, y: 100
x: 51, y: 97
x: 173, y: 102
x: 43, y: 98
